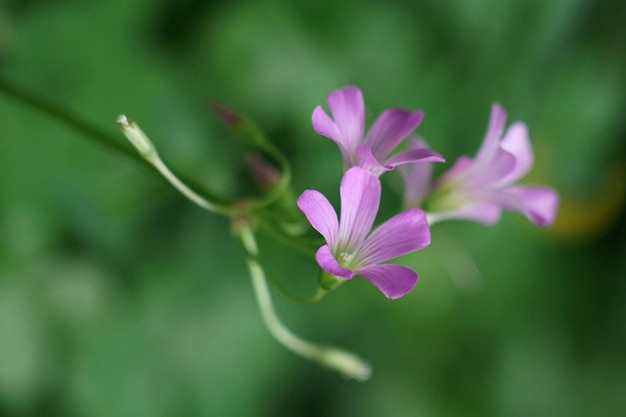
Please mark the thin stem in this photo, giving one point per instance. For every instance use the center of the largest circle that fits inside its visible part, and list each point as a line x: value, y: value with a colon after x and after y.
x: 194, y: 197
x: 319, y: 294
x: 148, y: 151
x: 79, y: 125
x: 66, y: 117
x: 306, y: 246
x: 346, y: 363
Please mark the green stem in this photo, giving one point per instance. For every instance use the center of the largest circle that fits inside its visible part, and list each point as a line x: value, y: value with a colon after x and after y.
x: 79, y: 125
x: 188, y: 192
x: 319, y: 294
x: 346, y: 363
x: 303, y: 245
x: 65, y: 117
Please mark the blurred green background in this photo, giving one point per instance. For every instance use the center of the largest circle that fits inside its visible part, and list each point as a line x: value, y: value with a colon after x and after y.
x: 120, y: 298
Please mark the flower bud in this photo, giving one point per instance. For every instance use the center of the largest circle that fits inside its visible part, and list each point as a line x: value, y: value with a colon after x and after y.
x: 265, y: 175
x: 136, y: 137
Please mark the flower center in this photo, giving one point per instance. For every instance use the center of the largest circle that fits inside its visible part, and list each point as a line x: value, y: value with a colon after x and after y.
x: 446, y: 197
x: 347, y: 259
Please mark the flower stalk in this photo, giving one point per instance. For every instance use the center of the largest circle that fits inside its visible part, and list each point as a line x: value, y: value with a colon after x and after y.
x: 148, y: 152
x: 346, y: 363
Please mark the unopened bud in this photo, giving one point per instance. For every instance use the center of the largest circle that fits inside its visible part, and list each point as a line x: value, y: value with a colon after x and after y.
x: 263, y: 172
x: 226, y: 115
x: 136, y: 137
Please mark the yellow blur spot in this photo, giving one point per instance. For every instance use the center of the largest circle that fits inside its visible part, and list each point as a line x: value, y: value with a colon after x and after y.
x: 582, y: 217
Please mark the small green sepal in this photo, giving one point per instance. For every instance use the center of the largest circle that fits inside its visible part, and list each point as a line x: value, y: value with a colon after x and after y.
x: 329, y: 281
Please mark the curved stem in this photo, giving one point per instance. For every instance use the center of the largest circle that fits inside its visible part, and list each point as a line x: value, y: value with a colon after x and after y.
x: 346, y: 363
x: 194, y: 197
x: 319, y: 294
x: 304, y: 245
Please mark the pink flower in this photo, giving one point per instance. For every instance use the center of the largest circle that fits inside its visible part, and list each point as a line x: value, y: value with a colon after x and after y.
x: 371, y: 151
x: 417, y: 177
x: 478, y: 189
x: 350, y: 247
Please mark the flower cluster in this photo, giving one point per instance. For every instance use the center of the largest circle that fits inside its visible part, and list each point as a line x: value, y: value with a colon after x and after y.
x: 475, y: 189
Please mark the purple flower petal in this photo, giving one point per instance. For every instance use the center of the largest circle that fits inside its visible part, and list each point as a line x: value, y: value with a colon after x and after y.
x: 348, y: 111
x: 460, y: 167
x: 489, y: 173
x: 414, y: 155
x: 392, y: 280
x: 483, y: 212
x: 389, y: 129
x: 320, y: 213
x: 360, y: 197
x: 417, y: 177
x: 538, y: 204
x: 328, y: 263
x: 492, y: 138
x: 367, y: 161
x: 517, y: 143
x: 325, y: 126
x: 403, y: 233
